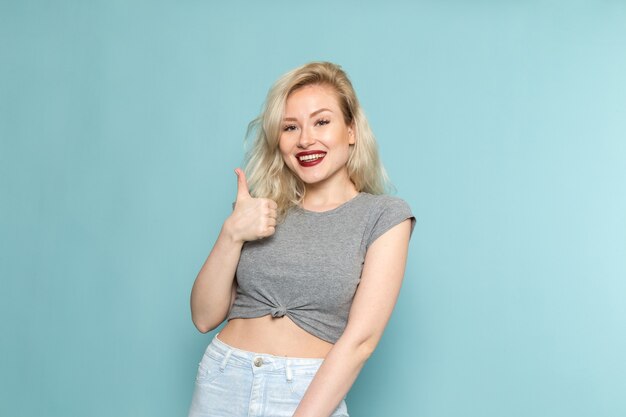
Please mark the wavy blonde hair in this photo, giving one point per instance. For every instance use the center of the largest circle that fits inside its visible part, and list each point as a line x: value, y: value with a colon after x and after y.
x: 267, y: 174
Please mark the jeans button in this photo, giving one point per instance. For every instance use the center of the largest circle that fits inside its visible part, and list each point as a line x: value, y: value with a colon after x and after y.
x: 258, y: 362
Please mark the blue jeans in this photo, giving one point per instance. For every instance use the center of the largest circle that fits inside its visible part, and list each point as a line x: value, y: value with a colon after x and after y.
x: 236, y: 383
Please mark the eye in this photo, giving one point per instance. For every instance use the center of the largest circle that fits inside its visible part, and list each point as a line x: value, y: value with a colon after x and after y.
x: 322, y: 122
x: 289, y: 128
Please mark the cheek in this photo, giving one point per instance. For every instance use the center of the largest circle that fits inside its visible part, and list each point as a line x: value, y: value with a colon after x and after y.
x: 283, y: 149
x: 287, y: 158
x: 283, y: 152
x: 345, y: 146
x: 286, y: 142
x: 287, y: 161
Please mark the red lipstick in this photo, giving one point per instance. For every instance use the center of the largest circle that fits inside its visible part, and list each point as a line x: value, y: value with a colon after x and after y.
x: 310, y: 158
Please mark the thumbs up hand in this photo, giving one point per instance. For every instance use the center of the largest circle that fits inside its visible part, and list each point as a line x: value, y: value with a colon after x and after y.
x: 252, y: 218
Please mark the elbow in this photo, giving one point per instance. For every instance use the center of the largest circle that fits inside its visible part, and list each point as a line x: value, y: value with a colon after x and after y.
x: 366, y: 349
x: 360, y: 345
x: 204, y: 326
x: 361, y: 350
x: 207, y: 319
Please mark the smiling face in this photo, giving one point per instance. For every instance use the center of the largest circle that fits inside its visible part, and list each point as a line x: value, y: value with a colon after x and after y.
x: 315, y: 140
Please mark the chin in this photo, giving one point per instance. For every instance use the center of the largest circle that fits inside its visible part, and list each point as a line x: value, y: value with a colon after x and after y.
x: 312, y: 179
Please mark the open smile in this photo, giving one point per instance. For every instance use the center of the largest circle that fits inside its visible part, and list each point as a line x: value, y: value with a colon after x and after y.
x: 310, y: 158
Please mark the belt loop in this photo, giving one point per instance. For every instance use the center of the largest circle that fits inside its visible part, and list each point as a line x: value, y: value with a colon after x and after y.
x: 225, y: 361
x: 288, y: 372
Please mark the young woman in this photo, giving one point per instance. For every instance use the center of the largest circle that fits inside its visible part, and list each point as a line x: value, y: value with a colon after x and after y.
x: 308, y: 266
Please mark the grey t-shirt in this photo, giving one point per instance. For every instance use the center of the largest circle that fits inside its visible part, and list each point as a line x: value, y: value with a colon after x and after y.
x: 309, y: 269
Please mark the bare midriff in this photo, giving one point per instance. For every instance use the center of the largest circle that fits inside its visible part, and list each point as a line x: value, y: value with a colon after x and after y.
x: 273, y: 336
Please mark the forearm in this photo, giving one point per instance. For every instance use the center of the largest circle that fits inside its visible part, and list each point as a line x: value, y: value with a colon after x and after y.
x: 212, y: 289
x: 334, y: 379
x: 371, y: 309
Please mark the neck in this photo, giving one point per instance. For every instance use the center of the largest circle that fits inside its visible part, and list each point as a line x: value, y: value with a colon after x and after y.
x: 322, y: 198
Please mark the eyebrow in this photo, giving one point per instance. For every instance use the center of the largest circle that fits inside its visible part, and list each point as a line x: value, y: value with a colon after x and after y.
x: 316, y: 112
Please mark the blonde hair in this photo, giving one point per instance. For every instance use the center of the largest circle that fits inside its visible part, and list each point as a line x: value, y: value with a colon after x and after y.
x: 267, y: 174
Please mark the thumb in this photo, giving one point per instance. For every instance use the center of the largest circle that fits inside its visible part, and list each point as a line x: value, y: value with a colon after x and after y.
x: 242, y: 185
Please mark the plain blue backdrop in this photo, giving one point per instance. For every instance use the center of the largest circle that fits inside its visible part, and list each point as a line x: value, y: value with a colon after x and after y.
x: 502, y: 123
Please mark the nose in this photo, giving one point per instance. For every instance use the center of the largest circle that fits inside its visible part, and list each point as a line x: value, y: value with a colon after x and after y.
x: 305, y: 139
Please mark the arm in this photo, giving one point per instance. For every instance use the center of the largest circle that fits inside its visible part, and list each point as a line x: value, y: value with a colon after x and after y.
x: 214, y: 289
x: 372, y: 306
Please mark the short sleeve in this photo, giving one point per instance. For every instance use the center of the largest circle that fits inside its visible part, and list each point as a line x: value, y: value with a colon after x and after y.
x: 392, y: 212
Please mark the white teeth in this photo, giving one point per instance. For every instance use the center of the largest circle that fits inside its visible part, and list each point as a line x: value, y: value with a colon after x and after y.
x: 311, y: 157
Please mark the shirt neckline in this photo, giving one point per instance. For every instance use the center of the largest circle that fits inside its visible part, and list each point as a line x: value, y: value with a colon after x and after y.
x: 333, y: 210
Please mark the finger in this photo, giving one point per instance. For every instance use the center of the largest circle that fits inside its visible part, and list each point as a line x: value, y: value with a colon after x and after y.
x: 242, y: 185
x: 267, y: 203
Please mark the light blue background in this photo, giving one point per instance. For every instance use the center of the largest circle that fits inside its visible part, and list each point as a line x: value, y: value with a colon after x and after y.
x: 502, y: 123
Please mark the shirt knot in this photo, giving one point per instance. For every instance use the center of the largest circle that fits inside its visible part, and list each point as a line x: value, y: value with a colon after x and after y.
x: 279, y: 311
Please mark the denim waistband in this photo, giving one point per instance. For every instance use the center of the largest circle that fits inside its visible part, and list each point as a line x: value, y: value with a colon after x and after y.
x: 260, y: 362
